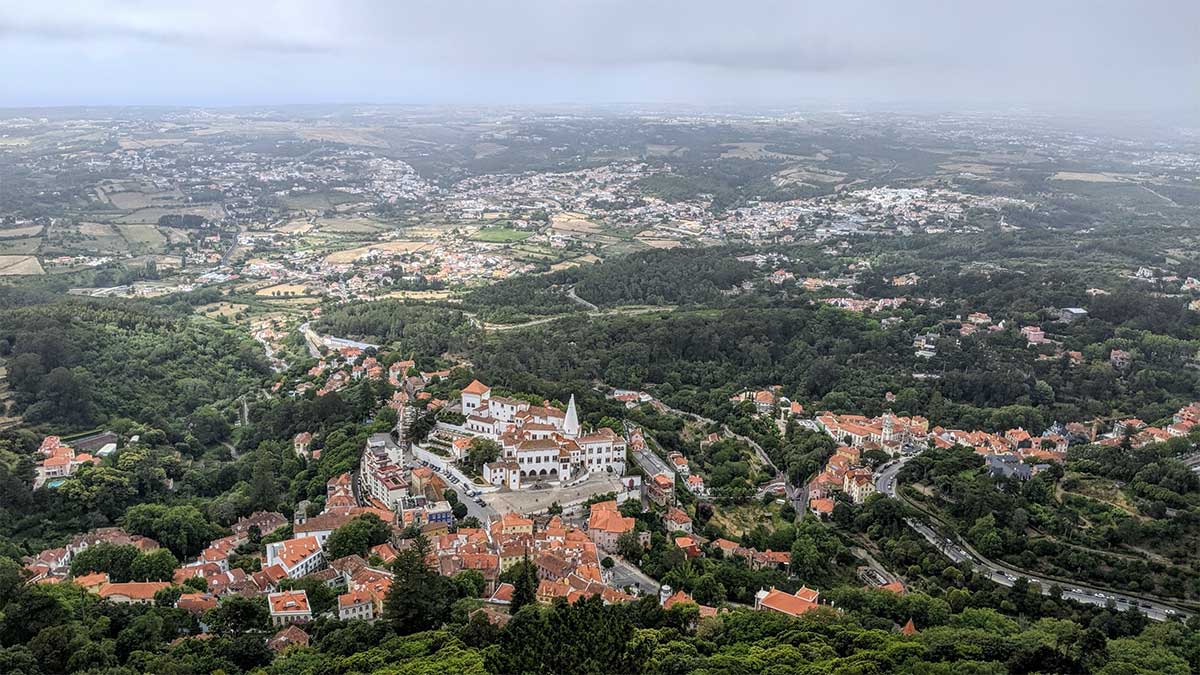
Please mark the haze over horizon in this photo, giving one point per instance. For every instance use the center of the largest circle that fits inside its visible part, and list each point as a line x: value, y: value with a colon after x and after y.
x: 1066, y: 56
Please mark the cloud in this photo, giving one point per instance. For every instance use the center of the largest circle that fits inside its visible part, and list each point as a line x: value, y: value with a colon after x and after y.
x: 198, y: 26
x: 1080, y: 53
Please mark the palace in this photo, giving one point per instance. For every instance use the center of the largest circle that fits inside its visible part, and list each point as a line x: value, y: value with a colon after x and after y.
x: 538, y: 441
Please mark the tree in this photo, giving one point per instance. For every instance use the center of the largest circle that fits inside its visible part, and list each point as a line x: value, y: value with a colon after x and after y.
x: 208, y: 425
x: 236, y: 614
x: 419, y: 598
x: 112, y: 559
x: 708, y: 591
x: 525, y: 586
x: 481, y: 451
x: 629, y: 547
x: 158, y: 565
x: 264, y: 493
x: 357, y: 537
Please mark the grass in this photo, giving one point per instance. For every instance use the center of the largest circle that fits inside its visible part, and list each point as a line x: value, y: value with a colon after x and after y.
x: 500, y: 235
x: 737, y: 520
x: 143, y: 237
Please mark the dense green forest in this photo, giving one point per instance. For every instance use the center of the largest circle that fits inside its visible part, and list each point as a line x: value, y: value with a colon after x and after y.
x: 669, y: 277
x: 414, y: 328
x: 73, y: 364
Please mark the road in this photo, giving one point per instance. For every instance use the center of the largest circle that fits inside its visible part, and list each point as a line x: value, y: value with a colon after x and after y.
x: 311, y: 339
x: 885, y: 478
x: 627, y: 311
x: 625, y: 574
x: 576, y: 298
x: 1007, y: 575
x: 483, y: 513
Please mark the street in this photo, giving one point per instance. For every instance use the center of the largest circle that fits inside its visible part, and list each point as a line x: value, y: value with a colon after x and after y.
x: 624, y: 574
x: 1006, y: 576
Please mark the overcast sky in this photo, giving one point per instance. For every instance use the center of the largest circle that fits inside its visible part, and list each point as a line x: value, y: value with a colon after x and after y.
x: 964, y: 54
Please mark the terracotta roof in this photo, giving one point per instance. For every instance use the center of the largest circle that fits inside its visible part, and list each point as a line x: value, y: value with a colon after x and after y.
x: 87, y: 580
x: 503, y: 594
x: 476, y: 387
x: 294, y: 551
x: 786, y: 603
x: 289, y: 602
x: 288, y: 637
x: 134, y: 590
x: 197, y: 603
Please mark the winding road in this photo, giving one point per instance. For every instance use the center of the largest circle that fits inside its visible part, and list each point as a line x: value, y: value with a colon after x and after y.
x: 1006, y: 575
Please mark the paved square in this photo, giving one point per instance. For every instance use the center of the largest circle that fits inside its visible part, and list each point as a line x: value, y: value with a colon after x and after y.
x: 530, y: 499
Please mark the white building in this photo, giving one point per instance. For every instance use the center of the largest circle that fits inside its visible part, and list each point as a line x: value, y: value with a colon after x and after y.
x: 289, y: 607
x: 298, y: 557
x: 538, y: 441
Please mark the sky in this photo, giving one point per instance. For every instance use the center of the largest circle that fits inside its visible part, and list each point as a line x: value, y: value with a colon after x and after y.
x: 1050, y: 55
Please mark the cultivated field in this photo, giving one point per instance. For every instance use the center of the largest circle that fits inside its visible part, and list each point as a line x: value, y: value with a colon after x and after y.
x: 15, y: 265
x: 19, y: 232
x: 142, y: 237
x: 152, y: 214
x: 1086, y: 177
x: 352, y: 254
x: 282, y: 290
x: 19, y: 246
x: 573, y: 222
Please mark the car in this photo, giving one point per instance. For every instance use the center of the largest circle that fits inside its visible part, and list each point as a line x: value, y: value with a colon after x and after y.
x: 1101, y: 595
x: 1169, y: 611
x: 1077, y: 590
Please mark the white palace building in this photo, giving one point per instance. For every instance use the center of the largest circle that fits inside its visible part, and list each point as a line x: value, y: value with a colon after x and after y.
x: 539, y: 442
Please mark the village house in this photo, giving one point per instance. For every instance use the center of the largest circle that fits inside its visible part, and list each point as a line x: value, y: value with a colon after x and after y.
x: 289, y: 607
x: 140, y: 592
x: 291, y: 636
x: 56, y: 460
x: 792, y: 604
x: 606, y: 525
x: 301, y: 444
x: 266, y: 522
x: 677, y: 521
x: 297, y: 557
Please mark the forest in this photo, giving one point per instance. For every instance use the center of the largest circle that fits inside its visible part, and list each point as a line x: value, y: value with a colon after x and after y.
x: 73, y: 364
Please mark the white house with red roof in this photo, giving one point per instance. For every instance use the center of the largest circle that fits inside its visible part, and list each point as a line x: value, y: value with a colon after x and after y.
x: 289, y: 607
x: 297, y: 557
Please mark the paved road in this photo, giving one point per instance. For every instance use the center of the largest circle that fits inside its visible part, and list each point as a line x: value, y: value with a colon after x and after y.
x: 885, y: 478
x: 626, y: 574
x: 585, y: 303
x: 1007, y: 576
x: 483, y: 513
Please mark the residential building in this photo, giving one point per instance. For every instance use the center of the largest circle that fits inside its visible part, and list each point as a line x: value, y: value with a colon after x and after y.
x: 289, y: 607
x: 792, y: 604
x: 297, y: 557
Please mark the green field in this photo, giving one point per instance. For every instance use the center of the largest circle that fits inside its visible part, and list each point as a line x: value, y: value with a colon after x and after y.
x: 142, y: 237
x: 501, y: 235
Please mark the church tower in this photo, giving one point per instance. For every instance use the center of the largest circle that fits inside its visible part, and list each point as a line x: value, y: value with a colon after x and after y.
x: 571, y: 424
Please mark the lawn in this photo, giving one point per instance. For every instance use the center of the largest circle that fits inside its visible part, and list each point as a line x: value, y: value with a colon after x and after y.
x: 500, y: 235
